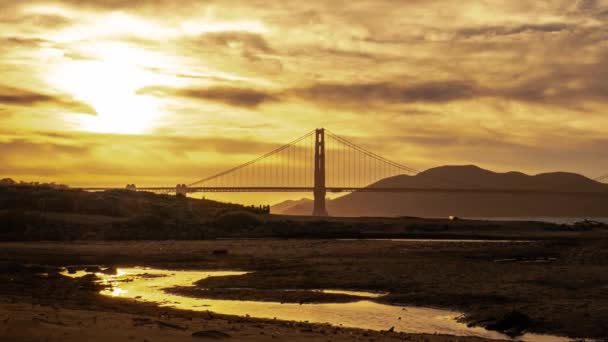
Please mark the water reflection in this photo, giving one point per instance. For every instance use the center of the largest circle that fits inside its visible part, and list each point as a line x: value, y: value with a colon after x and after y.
x: 148, y: 284
x: 362, y: 294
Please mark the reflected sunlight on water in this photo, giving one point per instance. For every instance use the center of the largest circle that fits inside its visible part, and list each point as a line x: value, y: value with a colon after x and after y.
x: 145, y: 284
x: 363, y: 294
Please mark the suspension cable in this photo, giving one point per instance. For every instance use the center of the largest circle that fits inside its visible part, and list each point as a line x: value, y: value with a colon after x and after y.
x: 275, y: 151
x: 371, y: 154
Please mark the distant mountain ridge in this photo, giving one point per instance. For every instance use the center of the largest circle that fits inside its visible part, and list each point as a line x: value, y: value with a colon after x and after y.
x: 479, y: 205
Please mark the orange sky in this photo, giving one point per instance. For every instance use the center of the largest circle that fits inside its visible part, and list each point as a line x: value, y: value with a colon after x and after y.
x: 110, y: 92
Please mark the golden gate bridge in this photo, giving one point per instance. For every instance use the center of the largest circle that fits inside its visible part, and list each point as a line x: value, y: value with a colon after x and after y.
x: 321, y: 162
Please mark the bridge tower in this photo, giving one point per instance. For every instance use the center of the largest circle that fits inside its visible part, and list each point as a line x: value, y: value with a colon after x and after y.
x: 319, y: 186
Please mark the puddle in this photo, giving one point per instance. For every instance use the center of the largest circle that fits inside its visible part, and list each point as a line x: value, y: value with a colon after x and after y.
x: 147, y: 285
x: 362, y: 294
x: 353, y: 293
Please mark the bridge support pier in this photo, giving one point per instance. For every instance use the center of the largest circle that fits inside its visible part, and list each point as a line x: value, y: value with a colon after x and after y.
x: 181, y: 190
x: 320, y: 191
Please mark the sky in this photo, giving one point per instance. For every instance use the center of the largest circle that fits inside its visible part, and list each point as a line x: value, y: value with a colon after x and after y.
x: 109, y: 92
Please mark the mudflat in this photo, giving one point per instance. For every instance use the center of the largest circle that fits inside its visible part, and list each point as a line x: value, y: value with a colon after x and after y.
x: 555, y: 287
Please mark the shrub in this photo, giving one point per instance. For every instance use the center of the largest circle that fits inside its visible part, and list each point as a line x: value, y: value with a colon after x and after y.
x: 235, y: 220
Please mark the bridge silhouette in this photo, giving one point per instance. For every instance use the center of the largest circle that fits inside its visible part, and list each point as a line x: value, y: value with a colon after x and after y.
x: 321, y: 162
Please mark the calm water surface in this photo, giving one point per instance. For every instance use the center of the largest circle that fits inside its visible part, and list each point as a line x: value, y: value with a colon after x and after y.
x: 147, y: 285
x: 558, y: 220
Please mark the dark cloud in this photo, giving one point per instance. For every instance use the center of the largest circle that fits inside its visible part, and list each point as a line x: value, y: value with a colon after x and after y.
x: 389, y: 93
x: 561, y: 84
x: 20, y: 97
x: 23, y: 42
x: 333, y: 53
x: 593, y: 8
x: 239, y: 97
x: 512, y: 30
x: 14, y: 96
x: 552, y: 85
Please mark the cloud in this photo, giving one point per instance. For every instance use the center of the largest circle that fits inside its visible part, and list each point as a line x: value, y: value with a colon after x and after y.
x: 365, y: 68
x: 235, y: 39
x: 77, y: 143
x: 571, y: 84
x: 239, y: 97
x: 80, y: 155
x: 24, y: 147
x: 488, y: 31
x: 390, y: 93
x: 7, y: 42
x: 20, y: 97
x: 567, y: 86
x: 333, y: 94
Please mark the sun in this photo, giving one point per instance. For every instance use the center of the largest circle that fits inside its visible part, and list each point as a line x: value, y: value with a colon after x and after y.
x: 108, y: 81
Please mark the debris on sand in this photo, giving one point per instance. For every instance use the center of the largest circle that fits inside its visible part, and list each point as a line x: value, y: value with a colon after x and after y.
x: 147, y: 321
x: 587, y: 224
x: 211, y: 334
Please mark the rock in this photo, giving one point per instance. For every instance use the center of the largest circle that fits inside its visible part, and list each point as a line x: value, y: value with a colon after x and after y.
x: 87, y: 282
x: 513, y: 324
x: 72, y: 269
x: 211, y: 334
x: 110, y: 271
x: 92, y: 269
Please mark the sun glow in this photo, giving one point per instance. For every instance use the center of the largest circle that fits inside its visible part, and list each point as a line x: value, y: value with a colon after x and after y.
x: 109, y: 82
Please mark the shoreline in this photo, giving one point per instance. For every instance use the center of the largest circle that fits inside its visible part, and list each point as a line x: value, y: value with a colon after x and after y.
x: 485, y: 280
x: 78, y: 312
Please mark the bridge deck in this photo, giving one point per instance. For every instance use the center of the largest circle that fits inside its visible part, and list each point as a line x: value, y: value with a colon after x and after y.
x: 370, y: 189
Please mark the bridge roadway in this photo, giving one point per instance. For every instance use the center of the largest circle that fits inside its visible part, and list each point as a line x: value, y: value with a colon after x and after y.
x: 486, y: 191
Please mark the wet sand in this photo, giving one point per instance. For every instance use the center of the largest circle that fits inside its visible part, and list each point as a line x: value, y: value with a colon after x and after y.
x: 25, y: 322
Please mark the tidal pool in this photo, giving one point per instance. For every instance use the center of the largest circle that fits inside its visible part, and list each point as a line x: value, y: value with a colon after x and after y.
x: 145, y: 284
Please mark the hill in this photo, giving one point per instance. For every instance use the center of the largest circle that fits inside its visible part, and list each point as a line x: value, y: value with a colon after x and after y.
x: 44, y: 212
x: 35, y: 212
x: 470, y: 205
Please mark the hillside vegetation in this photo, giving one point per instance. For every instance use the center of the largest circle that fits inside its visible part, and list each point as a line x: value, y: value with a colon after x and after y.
x: 46, y: 213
